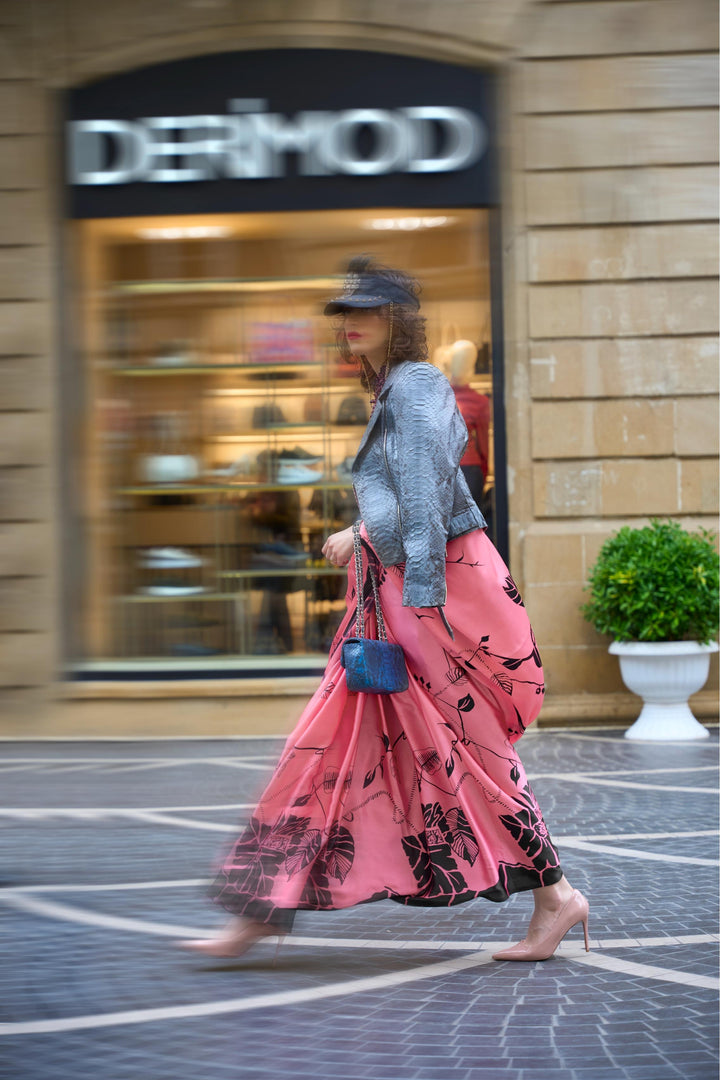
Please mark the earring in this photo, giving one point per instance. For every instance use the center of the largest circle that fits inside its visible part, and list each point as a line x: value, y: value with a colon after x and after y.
x: 389, y: 345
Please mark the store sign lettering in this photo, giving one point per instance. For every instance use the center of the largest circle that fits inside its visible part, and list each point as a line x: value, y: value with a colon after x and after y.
x: 252, y: 144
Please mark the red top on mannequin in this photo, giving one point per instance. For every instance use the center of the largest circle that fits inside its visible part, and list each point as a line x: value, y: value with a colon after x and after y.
x: 474, y: 407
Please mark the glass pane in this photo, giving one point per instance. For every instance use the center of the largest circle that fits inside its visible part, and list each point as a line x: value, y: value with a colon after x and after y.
x: 222, y: 424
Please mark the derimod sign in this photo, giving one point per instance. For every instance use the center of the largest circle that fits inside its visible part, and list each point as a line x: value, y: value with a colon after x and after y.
x: 255, y: 145
x: 321, y: 129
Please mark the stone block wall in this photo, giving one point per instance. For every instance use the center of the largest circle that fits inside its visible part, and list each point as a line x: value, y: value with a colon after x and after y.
x: 28, y: 377
x: 619, y: 106
x: 609, y: 132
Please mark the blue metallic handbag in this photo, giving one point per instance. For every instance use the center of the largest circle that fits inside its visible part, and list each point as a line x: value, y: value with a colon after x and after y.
x: 371, y: 667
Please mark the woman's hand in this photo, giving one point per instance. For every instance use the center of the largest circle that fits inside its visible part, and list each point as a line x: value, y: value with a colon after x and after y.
x: 338, y: 548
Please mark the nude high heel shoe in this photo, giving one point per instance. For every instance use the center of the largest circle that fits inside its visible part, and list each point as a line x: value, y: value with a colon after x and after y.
x: 234, y: 941
x: 575, y: 910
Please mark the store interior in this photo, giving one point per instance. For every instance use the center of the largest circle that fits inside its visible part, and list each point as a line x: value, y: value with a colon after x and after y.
x: 219, y: 424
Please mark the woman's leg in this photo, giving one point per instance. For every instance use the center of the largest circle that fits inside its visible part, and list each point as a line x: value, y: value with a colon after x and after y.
x: 558, y: 908
x: 237, y: 936
x: 549, y: 900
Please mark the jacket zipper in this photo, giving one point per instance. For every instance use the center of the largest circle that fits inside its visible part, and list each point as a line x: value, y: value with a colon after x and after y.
x: 387, y: 466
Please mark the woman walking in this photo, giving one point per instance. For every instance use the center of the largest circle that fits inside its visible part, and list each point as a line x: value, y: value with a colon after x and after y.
x: 416, y: 796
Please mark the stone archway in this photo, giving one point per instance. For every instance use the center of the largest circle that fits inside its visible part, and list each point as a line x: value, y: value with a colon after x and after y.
x: 75, y: 41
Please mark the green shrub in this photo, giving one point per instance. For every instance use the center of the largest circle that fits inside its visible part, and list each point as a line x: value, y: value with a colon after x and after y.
x: 658, y: 583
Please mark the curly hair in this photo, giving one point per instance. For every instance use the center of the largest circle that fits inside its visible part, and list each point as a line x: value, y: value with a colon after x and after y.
x: 408, y: 340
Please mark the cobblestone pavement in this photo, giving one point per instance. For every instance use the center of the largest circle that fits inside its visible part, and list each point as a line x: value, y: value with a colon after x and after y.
x: 106, y: 849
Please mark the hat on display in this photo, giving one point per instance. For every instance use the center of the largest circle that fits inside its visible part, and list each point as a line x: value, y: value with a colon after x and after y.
x: 314, y: 409
x: 267, y: 415
x: 368, y: 285
x: 353, y: 410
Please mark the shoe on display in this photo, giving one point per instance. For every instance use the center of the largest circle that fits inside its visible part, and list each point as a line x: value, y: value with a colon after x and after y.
x: 191, y: 563
x: 168, y: 468
x: 173, y: 354
x: 191, y: 649
x: 279, y: 547
x: 277, y: 556
x: 298, y: 454
x: 169, y: 558
x: 293, y: 473
x: 172, y: 588
x: 242, y: 466
x: 267, y: 465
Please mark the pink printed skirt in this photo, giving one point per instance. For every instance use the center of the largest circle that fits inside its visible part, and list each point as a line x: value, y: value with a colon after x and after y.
x: 418, y: 797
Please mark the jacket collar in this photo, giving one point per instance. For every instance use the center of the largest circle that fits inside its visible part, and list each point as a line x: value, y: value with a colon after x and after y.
x: 389, y: 380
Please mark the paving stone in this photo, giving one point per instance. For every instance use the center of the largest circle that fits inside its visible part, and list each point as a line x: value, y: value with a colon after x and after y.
x: 558, y: 1020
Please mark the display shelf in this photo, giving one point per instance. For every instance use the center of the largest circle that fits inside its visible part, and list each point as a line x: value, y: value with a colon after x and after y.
x: 157, y: 370
x: 309, y: 573
x: 211, y: 489
x: 154, y: 666
x: 192, y: 598
x: 332, y: 386
x: 301, y: 571
x: 289, y: 429
x: 223, y: 285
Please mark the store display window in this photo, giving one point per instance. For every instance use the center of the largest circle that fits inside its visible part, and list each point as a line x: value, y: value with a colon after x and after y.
x: 220, y: 424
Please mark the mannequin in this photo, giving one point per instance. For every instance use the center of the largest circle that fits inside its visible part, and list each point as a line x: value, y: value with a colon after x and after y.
x: 475, y: 410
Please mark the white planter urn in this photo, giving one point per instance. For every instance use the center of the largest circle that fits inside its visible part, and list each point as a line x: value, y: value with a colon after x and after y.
x: 664, y: 674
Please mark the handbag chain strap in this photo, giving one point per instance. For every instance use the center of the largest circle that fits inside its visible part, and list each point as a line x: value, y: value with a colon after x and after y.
x: 360, y: 620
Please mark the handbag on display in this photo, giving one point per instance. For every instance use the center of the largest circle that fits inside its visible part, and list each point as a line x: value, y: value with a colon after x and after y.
x: 315, y: 409
x: 482, y: 364
x: 267, y: 415
x: 353, y: 410
x: 371, y: 667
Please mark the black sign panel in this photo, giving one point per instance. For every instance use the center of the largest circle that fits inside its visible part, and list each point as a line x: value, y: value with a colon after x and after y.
x: 290, y: 129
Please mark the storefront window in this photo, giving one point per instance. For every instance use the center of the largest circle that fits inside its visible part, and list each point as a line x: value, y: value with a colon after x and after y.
x: 222, y: 425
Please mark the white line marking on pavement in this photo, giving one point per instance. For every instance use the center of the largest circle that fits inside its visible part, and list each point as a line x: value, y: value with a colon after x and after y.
x: 40, y: 740
x: 183, y: 823
x: 19, y: 898
x: 586, y: 778
x: 143, y: 766
x: 68, y: 913
x: 481, y: 956
x: 632, y: 853
x: 246, y: 1004
x: 647, y: 971
x: 119, y: 766
x: 237, y: 763
x: 640, y: 836
x: 134, y: 760
x: 16, y: 768
x: 261, y: 761
x: 650, y: 772
x: 618, y: 738
x: 152, y: 818
x: 91, y: 812
x: 179, y: 883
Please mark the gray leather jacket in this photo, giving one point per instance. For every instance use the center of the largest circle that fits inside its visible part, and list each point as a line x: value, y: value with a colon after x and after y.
x: 410, y: 491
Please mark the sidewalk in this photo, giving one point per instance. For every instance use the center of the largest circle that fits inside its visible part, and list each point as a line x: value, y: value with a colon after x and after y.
x: 105, y: 850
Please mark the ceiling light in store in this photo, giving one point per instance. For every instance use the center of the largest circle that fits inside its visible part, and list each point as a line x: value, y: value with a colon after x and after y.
x: 185, y: 232
x: 407, y: 224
